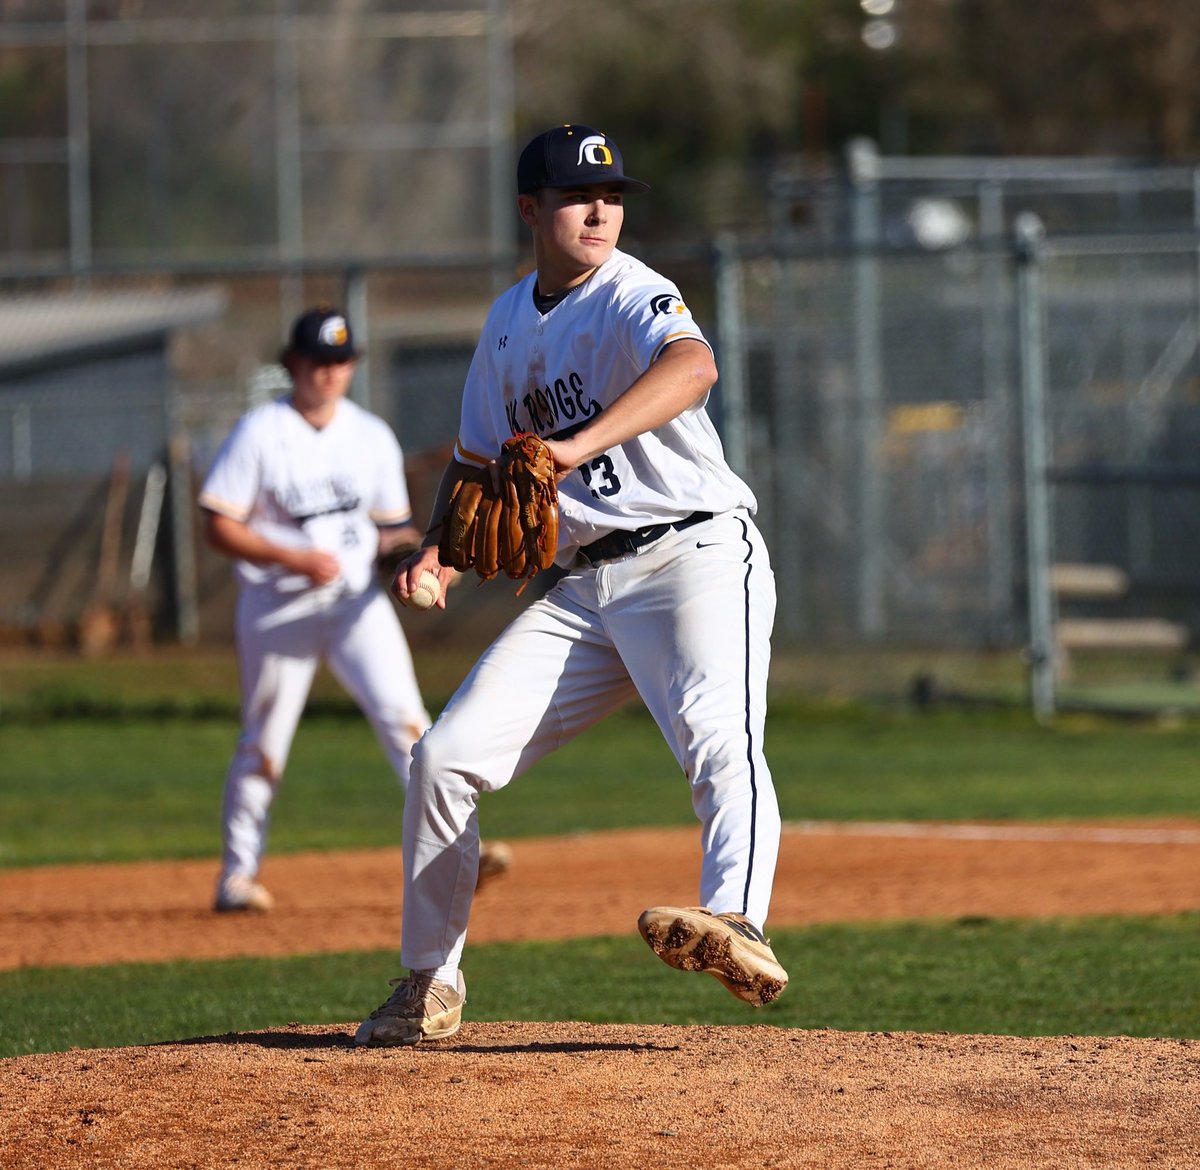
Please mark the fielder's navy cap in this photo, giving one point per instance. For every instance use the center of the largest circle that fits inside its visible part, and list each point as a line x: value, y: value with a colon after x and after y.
x: 572, y: 156
x: 322, y: 334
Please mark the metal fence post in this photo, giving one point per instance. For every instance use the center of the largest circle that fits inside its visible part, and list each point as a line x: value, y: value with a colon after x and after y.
x: 996, y: 346
x: 79, y: 170
x: 289, y: 181
x: 361, y: 390
x: 183, y: 533
x: 1028, y: 234
x: 22, y: 443
x: 501, y: 168
x: 864, y: 166
x: 787, y: 444
x: 735, y: 426
x: 1196, y: 266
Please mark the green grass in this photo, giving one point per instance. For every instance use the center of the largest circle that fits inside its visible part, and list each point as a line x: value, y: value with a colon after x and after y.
x: 205, y: 678
x: 1092, y: 976
x: 125, y: 760
x: 170, y: 680
x: 140, y: 786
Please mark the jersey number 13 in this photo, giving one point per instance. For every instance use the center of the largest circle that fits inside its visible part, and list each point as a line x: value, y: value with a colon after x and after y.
x: 599, y: 476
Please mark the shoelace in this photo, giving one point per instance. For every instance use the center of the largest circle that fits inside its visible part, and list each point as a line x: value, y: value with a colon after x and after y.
x: 406, y: 994
x: 410, y: 994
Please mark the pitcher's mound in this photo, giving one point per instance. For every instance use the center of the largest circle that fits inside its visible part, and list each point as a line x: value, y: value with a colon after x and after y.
x: 609, y: 1098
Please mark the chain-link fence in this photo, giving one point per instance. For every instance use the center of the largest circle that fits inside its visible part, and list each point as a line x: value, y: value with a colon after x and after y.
x: 176, y: 184
x: 880, y: 452
x: 891, y: 342
x: 262, y: 130
x: 1111, y: 378
x: 141, y: 372
x: 937, y: 440
x: 874, y: 391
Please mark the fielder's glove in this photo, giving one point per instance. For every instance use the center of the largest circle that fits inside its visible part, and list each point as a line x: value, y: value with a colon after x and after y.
x: 514, y: 528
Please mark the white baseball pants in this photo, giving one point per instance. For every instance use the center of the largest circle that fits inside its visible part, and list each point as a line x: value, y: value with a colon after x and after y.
x: 280, y: 645
x: 686, y: 624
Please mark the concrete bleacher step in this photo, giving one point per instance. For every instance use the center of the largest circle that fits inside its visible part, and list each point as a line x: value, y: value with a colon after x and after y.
x: 1081, y: 582
x: 1120, y: 634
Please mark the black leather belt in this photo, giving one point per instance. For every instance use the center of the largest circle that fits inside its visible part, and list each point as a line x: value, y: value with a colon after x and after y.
x: 621, y: 543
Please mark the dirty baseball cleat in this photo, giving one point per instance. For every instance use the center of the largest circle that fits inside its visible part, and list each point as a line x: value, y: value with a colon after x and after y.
x: 727, y: 945
x: 495, y: 860
x: 421, y: 1008
x: 238, y: 891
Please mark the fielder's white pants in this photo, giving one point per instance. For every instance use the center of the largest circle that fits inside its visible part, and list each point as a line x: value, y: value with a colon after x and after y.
x: 280, y: 645
x: 686, y: 624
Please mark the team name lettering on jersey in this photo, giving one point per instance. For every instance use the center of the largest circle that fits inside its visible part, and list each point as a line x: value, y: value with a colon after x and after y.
x: 549, y: 407
x: 306, y: 501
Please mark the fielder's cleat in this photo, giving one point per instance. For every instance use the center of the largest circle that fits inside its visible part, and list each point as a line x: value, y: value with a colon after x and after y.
x: 238, y: 891
x: 495, y: 860
x: 421, y: 1008
x: 727, y: 945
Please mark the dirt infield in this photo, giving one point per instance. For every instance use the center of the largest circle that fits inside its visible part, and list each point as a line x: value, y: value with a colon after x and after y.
x: 590, y: 1096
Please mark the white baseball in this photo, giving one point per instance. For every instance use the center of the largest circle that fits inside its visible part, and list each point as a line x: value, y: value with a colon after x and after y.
x: 426, y: 593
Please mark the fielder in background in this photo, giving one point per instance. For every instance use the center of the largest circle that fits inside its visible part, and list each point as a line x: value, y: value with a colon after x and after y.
x: 305, y: 494
x: 668, y: 591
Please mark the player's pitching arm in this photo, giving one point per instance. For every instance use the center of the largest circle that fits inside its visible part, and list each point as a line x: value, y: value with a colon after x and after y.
x: 236, y: 539
x: 425, y: 559
x: 682, y: 374
x: 398, y: 540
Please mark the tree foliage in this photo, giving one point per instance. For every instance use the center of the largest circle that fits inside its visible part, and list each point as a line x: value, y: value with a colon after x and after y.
x: 711, y: 95
x: 1024, y: 77
x: 709, y: 99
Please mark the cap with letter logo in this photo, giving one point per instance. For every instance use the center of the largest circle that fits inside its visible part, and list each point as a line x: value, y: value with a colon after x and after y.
x: 322, y: 334
x: 572, y: 156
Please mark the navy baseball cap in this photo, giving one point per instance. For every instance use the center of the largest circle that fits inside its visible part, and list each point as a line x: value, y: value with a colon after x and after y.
x: 322, y: 334
x: 572, y: 156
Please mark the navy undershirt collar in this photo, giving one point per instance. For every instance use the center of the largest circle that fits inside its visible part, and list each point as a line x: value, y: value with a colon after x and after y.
x: 545, y: 302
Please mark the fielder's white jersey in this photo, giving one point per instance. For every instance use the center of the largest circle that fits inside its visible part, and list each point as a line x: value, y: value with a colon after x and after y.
x: 551, y: 374
x: 300, y: 486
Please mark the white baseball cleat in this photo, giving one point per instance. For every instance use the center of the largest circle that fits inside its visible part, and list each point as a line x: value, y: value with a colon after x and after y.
x: 239, y: 891
x: 421, y: 1008
x: 726, y: 945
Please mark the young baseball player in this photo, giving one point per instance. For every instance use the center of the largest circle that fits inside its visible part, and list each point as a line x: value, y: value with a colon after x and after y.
x: 668, y: 591
x: 304, y: 494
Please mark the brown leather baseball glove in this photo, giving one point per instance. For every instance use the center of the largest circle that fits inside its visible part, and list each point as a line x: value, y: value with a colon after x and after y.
x: 511, y: 529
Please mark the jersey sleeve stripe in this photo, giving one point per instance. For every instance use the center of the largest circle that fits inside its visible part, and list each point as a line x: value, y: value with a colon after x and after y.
x: 680, y: 336
x: 211, y: 503
x: 466, y: 456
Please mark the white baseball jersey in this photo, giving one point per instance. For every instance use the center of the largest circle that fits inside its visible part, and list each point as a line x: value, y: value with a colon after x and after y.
x: 301, y: 486
x: 552, y: 373
x: 325, y: 488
